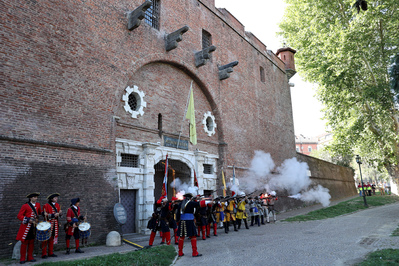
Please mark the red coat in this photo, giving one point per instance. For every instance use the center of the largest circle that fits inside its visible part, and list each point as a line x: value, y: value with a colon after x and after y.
x: 69, y: 217
x: 55, y: 224
x: 24, y: 214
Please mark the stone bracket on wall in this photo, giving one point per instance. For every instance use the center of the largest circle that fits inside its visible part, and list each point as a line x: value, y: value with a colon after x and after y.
x: 173, y: 38
x: 290, y: 73
x: 203, y: 55
x: 135, y: 17
x: 224, y: 71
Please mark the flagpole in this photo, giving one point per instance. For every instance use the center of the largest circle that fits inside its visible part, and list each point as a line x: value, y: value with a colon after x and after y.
x: 184, y: 117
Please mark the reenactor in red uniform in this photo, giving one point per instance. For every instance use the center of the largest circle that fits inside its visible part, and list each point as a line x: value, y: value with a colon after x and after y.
x: 51, y: 211
x: 73, y: 219
x: 29, y: 217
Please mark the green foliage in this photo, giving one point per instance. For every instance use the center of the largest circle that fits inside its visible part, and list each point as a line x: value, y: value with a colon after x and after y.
x: 161, y: 255
x: 344, y: 208
x: 395, y: 232
x: 382, y: 257
x: 347, y: 54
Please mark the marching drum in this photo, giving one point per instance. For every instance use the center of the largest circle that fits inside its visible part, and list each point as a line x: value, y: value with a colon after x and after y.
x: 43, y: 231
x: 84, y: 229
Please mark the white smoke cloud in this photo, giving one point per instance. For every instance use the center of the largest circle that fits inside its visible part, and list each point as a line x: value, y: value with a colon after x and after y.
x: 318, y: 194
x: 292, y: 176
x: 183, y: 188
x: 261, y: 166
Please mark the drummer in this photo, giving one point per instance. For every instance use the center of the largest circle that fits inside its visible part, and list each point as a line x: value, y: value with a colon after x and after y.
x: 73, y: 219
x: 51, y: 211
x: 29, y: 216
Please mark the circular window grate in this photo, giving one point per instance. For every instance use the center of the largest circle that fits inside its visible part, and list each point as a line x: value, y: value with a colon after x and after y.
x: 134, y: 101
x: 209, y: 123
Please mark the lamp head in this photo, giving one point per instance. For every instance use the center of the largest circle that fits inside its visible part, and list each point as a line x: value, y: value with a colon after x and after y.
x: 358, y: 159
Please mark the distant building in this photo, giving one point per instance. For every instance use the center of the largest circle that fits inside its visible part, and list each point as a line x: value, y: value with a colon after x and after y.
x: 324, y: 139
x: 305, y: 145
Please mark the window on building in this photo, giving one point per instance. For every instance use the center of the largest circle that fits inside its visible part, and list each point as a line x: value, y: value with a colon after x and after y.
x: 152, y: 14
x: 160, y: 124
x: 208, y: 169
x: 297, y: 149
x: 262, y: 74
x: 309, y: 149
x: 206, y: 39
x: 133, y: 101
x: 129, y: 160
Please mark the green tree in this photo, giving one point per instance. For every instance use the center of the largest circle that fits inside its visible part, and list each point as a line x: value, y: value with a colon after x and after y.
x: 348, y: 54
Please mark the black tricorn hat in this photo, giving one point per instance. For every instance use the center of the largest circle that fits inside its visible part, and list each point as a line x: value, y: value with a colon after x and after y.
x: 53, y: 196
x: 188, y: 195
x: 34, y: 194
x: 74, y: 201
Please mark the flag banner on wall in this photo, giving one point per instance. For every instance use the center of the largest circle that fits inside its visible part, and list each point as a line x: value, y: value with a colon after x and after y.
x: 191, y: 116
x: 234, y: 180
x: 195, y: 180
x: 165, y: 180
x: 224, y: 185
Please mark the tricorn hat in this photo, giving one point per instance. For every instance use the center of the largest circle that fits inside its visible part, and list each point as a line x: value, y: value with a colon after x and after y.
x: 74, y: 201
x: 34, y: 194
x: 188, y: 195
x: 53, y: 195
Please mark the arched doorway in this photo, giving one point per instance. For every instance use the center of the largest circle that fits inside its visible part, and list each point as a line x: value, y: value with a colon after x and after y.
x: 177, y: 169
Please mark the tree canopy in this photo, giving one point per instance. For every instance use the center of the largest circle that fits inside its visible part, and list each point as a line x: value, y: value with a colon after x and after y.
x: 348, y: 54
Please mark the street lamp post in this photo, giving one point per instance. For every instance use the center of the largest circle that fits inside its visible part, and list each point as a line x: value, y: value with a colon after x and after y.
x: 361, y: 179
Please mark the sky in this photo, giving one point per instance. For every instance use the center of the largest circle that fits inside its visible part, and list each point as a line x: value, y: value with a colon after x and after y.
x: 261, y: 17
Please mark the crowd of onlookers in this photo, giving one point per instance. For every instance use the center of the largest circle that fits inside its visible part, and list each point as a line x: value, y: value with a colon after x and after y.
x: 369, y: 189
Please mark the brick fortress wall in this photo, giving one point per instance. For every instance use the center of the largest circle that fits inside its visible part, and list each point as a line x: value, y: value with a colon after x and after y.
x: 65, y: 67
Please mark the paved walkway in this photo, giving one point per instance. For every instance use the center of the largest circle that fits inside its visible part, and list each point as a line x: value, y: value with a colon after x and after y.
x: 337, y: 241
x: 343, y: 240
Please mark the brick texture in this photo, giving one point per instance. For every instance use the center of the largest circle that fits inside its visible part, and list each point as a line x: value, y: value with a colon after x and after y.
x: 65, y: 66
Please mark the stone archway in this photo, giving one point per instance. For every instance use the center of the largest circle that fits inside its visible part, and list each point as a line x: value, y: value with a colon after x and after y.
x: 177, y: 169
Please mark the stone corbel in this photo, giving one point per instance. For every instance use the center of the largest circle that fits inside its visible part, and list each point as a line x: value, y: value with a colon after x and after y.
x: 134, y: 18
x: 224, y: 71
x: 173, y: 38
x: 202, y: 56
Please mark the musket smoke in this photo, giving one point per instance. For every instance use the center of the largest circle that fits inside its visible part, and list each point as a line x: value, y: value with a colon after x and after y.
x: 292, y: 176
x: 183, y: 188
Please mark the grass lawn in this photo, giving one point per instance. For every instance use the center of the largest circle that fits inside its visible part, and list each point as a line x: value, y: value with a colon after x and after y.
x: 345, y: 207
x: 382, y: 257
x: 155, y: 256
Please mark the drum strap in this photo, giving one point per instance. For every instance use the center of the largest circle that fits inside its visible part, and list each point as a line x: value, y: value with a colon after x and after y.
x: 54, y: 208
x: 74, y: 212
x: 33, y: 209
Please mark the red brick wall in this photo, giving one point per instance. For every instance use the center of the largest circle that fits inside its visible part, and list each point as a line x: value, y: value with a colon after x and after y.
x: 65, y: 67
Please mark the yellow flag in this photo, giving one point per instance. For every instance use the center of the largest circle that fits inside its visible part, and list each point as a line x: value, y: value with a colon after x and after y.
x: 191, y: 116
x: 224, y: 184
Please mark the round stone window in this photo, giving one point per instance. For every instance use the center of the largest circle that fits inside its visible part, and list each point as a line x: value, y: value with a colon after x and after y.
x: 134, y: 101
x: 209, y: 123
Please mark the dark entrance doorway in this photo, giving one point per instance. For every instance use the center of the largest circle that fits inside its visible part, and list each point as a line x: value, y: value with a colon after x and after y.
x: 128, y: 200
x: 177, y: 169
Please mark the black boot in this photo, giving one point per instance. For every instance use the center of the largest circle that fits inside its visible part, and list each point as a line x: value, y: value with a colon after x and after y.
x: 78, y: 250
x: 246, y: 223
x: 252, y: 220
x: 68, y: 251
x: 239, y: 223
x: 226, y: 229
x: 235, y: 227
x: 262, y: 220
